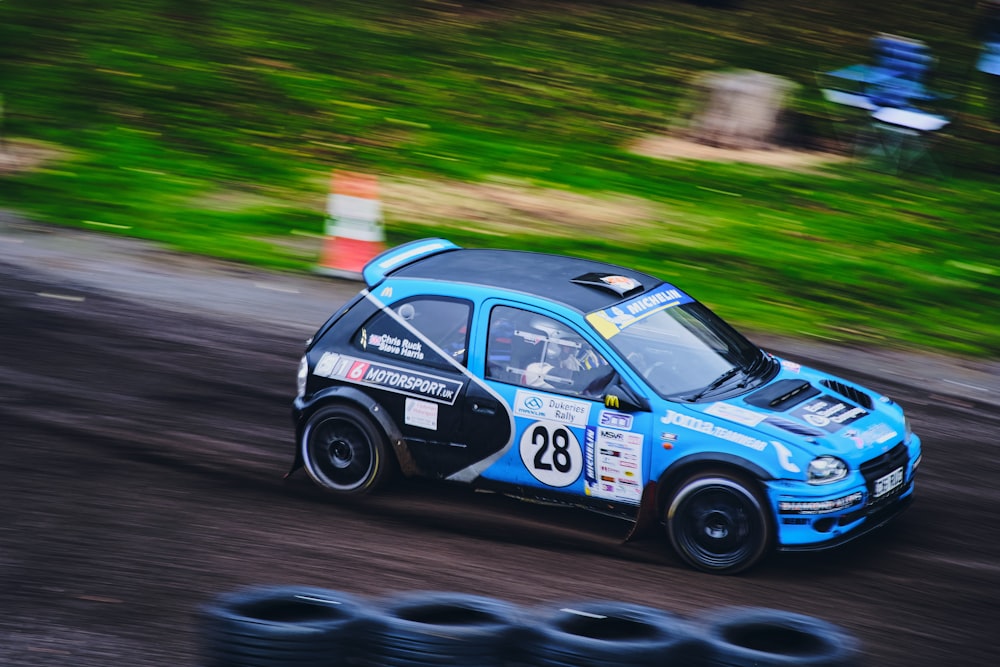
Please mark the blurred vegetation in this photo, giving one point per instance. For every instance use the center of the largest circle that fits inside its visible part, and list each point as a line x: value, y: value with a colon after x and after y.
x: 213, y: 127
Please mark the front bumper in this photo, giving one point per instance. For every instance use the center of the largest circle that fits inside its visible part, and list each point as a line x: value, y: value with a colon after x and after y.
x: 844, y: 528
x: 811, y: 518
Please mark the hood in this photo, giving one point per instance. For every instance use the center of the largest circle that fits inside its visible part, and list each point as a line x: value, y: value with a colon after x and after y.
x: 816, y: 413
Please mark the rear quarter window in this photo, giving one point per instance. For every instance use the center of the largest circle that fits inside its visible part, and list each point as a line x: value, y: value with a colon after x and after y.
x: 442, y: 324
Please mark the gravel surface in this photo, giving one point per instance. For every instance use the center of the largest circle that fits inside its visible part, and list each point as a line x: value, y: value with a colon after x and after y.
x: 145, y: 420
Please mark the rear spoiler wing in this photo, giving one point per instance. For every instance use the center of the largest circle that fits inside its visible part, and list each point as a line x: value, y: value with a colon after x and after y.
x: 380, y: 266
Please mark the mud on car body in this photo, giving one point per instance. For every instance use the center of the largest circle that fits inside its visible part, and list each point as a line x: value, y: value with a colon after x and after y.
x: 574, y: 381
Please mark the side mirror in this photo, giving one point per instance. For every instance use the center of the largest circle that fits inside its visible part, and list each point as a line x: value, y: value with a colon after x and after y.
x: 620, y: 396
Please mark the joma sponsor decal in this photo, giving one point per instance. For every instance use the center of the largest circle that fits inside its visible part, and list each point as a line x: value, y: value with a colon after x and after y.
x: 709, y: 428
x: 390, y: 378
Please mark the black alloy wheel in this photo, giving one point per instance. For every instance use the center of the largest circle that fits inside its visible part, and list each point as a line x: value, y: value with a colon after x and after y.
x: 716, y: 522
x: 344, y: 451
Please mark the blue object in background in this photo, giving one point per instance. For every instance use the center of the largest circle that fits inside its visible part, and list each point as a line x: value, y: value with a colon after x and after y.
x: 989, y: 61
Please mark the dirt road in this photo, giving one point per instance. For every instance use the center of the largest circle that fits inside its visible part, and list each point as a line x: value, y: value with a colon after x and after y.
x: 145, y: 428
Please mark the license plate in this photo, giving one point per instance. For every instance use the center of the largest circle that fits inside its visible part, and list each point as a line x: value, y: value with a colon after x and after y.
x: 887, y: 483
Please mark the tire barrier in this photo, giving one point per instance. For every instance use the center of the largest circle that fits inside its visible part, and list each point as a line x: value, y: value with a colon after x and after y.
x: 429, y: 628
x: 600, y: 633
x: 758, y: 637
x: 280, y: 626
x: 272, y: 626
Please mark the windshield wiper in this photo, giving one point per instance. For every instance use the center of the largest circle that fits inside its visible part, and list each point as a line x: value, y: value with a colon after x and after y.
x: 717, y: 382
x: 760, y: 364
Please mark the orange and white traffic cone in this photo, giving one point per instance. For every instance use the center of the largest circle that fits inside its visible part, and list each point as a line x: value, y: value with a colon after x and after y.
x: 354, y: 233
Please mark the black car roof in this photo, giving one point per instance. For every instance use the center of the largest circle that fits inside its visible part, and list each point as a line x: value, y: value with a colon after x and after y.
x: 543, y: 275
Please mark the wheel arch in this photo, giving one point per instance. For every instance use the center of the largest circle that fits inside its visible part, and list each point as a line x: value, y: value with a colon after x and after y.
x: 732, y: 533
x: 345, y: 395
x: 687, y: 466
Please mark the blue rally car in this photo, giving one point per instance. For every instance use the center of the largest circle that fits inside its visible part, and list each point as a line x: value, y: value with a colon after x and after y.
x: 574, y: 381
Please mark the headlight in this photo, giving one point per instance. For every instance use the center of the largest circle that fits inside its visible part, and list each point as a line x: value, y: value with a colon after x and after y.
x: 826, y: 469
x: 303, y: 374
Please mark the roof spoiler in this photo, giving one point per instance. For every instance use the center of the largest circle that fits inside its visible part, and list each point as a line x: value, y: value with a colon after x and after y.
x: 396, y: 258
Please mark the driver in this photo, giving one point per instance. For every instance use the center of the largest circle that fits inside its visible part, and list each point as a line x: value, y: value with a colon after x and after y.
x: 565, y: 354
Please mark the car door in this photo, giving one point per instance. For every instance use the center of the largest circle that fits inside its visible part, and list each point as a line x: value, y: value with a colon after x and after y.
x: 555, y: 377
x: 411, y: 356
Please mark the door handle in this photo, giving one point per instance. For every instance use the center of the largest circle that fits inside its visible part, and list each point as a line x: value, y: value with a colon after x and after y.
x: 484, y: 407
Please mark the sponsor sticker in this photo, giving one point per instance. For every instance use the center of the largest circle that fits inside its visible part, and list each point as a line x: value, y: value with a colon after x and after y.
x: 877, y: 434
x: 829, y: 413
x: 422, y: 414
x: 610, y: 321
x: 735, y: 413
x: 395, y: 345
x: 791, y: 366
x: 673, y: 418
x: 785, y: 457
x: 621, y: 282
x: 617, y: 456
x: 613, y: 419
x: 551, y: 408
x: 391, y: 378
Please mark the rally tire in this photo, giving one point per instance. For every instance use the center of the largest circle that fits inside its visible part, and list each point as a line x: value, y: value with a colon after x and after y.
x: 719, y: 522
x: 345, y: 452
x: 759, y: 637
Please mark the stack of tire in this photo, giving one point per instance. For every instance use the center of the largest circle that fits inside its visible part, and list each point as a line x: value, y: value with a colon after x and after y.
x: 303, y: 627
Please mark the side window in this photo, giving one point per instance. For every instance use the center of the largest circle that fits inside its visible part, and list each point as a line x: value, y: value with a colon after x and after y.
x: 532, y: 350
x: 442, y: 321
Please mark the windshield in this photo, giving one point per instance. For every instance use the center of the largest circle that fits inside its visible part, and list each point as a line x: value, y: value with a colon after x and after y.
x: 680, y: 347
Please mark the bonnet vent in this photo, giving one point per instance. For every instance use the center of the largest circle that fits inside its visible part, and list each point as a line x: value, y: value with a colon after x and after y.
x: 782, y: 395
x: 849, y: 392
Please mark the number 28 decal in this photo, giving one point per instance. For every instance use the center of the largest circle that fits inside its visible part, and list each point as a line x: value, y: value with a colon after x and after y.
x: 551, y: 453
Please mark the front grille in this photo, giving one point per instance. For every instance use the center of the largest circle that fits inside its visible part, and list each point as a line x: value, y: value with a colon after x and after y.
x: 882, y: 465
x: 849, y: 392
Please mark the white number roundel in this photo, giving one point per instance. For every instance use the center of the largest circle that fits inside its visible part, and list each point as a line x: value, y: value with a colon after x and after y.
x: 551, y: 453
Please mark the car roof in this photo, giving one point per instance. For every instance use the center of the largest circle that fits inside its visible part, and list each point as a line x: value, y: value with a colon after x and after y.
x: 538, y: 274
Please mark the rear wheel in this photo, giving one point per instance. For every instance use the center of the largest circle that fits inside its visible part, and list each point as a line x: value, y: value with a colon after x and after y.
x: 344, y: 451
x: 717, y: 522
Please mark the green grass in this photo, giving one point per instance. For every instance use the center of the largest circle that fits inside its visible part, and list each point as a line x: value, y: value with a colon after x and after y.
x: 212, y: 127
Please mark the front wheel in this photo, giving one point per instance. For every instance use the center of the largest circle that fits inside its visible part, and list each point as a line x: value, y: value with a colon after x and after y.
x: 344, y: 451
x: 717, y: 522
